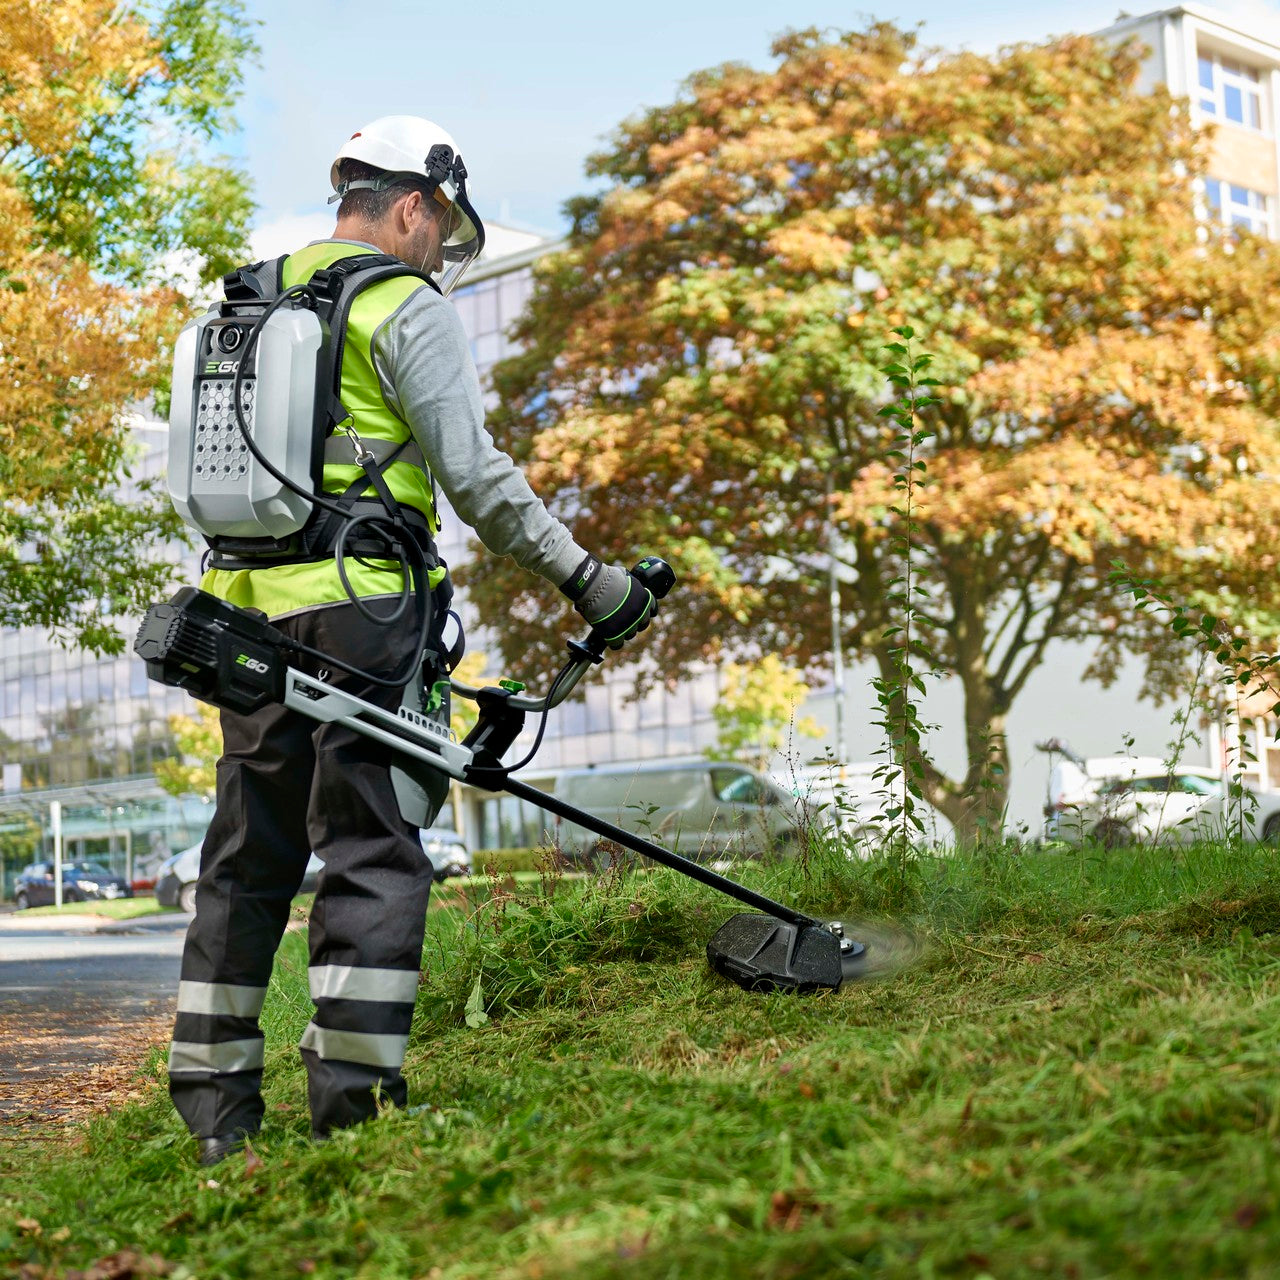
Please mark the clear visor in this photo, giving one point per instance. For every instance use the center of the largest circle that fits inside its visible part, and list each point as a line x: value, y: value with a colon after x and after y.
x: 461, y: 235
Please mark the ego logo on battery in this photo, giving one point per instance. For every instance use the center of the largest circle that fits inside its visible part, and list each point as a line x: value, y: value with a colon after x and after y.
x: 252, y: 663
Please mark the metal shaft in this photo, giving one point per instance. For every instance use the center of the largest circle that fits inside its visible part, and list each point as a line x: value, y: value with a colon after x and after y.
x: 657, y: 853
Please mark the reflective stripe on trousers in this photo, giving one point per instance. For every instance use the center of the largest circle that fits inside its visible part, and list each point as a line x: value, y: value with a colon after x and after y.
x: 336, y: 986
x: 222, y: 1002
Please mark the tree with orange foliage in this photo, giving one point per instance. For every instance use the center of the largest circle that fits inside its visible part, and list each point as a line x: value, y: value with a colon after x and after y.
x: 701, y: 368
x: 113, y: 208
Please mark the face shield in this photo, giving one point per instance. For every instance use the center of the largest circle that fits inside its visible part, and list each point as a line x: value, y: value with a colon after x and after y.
x: 461, y: 236
x: 461, y: 231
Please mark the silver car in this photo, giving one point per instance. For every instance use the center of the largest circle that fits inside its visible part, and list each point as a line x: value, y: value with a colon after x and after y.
x: 1174, y: 806
x: 177, y: 875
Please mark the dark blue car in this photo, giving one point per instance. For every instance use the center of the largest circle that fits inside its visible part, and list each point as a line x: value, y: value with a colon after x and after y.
x: 81, y: 882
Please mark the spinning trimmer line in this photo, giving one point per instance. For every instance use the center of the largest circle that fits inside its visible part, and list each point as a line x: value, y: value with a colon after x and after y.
x: 235, y: 659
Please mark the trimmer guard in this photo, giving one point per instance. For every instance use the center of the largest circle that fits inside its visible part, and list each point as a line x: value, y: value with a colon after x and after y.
x: 763, y: 953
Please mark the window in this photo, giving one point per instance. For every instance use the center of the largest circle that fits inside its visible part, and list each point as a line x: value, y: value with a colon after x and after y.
x: 1235, y: 206
x: 737, y: 787
x: 1230, y: 91
x: 1193, y: 784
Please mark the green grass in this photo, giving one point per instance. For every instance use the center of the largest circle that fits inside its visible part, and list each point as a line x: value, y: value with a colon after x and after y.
x: 112, y: 908
x: 1078, y: 1077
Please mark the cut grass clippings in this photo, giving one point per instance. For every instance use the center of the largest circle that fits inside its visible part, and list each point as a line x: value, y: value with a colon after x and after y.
x: 1076, y: 1078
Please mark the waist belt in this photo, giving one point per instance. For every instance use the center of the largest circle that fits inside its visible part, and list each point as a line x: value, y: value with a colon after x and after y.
x: 319, y: 541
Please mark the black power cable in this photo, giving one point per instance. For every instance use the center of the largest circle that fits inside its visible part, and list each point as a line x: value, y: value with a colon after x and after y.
x: 542, y: 723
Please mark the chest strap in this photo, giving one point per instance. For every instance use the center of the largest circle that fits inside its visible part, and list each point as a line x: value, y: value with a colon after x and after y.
x: 337, y: 450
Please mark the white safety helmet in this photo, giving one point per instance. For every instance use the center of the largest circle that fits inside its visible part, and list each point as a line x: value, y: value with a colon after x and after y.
x: 411, y: 147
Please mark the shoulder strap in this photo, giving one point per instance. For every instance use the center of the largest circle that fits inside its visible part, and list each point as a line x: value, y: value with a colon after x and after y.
x: 338, y: 286
x: 258, y: 280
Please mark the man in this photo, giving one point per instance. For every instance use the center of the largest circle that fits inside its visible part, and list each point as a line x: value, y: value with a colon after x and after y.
x: 287, y: 786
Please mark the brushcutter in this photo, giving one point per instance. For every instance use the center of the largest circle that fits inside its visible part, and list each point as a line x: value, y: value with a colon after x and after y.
x: 235, y: 659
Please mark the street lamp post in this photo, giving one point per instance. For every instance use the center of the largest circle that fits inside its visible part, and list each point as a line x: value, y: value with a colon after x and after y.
x: 837, y: 637
x: 55, y: 821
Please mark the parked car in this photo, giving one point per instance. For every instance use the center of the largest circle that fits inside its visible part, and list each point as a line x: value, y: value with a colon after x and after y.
x: 854, y: 809
x: 1075, y: 781
x: 448, y: 852
x: 1173, y: 807
x: 705, y: 809
x: 176, y: 884
x: 81, y: 882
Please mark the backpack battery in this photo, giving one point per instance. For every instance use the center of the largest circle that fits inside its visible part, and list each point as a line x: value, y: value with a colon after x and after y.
x: 215, y: 483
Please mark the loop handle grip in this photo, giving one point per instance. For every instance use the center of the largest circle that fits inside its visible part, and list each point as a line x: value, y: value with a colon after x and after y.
x: 651, y: 572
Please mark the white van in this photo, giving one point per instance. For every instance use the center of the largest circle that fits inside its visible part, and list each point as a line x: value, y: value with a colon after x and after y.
x: 706, y: 810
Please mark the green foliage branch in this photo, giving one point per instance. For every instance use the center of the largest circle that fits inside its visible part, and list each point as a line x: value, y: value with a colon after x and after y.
x: 1240, y: 674
x: 139, y: 191
x: 902, y: 770
x: 756, y: 711
x: 115, y: 205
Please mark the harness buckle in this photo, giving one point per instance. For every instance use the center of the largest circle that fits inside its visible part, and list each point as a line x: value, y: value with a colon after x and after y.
x: 363, y: 454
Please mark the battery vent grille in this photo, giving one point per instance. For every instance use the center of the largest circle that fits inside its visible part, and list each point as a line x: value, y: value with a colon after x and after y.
x: 220, y: 455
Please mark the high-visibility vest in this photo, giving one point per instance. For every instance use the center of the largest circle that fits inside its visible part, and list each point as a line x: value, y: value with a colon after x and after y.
x: 288, y: 588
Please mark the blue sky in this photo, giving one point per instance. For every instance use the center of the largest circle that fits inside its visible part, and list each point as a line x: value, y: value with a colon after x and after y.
x: 530, y: 90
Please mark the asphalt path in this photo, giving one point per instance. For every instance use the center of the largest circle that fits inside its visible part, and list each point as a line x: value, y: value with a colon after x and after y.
x: 76, y: 1000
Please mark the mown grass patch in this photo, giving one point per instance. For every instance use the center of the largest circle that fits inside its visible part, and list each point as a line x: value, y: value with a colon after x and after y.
x: 1077, y: 1078
x: 108, y: 908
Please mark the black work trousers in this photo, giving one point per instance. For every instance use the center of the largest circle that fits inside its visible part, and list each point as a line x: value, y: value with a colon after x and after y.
x: 288, y: 786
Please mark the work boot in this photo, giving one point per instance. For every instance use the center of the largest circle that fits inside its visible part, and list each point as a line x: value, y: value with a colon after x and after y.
x: 216, y: 1149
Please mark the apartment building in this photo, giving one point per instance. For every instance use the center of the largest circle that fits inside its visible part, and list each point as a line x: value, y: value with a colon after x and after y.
x: 1230, y: 77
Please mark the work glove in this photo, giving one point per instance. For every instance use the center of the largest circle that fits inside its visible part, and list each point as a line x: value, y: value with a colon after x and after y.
x: 611, y: 599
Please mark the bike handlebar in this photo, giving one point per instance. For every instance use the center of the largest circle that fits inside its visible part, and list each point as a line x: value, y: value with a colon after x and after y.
x: 653, y: 573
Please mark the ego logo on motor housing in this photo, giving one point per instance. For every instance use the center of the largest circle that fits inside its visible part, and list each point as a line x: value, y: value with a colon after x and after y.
x: 252, y: 663
x: 221, y: 366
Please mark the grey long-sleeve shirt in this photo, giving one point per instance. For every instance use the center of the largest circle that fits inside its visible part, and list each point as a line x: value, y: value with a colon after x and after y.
x: 428, y: 378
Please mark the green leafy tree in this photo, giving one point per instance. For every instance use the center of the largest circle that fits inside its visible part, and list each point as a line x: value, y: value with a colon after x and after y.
x: 756, y: 712
x: 198, y: 740
x: 114, y: 205
x: 21, y: 839
x: 700, y: 371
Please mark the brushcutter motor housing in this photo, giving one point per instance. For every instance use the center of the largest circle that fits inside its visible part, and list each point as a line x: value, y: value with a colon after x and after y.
x: 215, y: 651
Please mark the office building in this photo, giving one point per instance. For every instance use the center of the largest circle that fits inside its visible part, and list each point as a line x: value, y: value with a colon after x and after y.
x: 1230, y: 78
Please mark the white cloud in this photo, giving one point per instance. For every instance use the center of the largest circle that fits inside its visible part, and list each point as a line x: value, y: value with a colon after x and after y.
x: 289, y: 233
